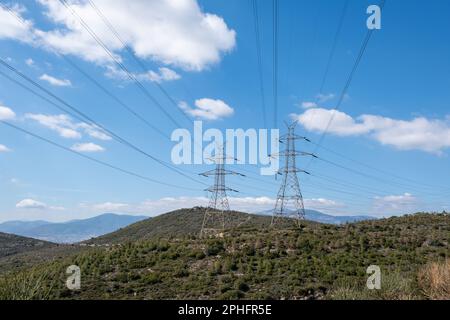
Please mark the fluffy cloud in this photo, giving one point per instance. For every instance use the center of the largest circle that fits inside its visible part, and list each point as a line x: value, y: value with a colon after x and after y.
x: 110, y: 207
x: 34, y: 204
x: 308, y: 104
x: 172, y: 32
x: 420, y: 133
x: 325, y: 97
x: 322, y: 204
x: 208, y: 109
x: 395, y: 204
x: 12, y: 28
x: 164, y: 74
x: 4, y: 148
x: 55, y: 81
x: 87, y: 147
x: 31, y: 204
x: 66, y: 127
x: 6, y: 113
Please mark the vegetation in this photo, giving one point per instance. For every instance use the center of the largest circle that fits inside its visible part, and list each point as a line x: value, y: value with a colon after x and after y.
x: 252, y: 261
x: 11, y: 244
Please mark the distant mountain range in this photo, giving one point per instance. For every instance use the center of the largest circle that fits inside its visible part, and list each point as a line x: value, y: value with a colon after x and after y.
x: 317, y: 216
x: 71, y: 231
x: 80, y: 230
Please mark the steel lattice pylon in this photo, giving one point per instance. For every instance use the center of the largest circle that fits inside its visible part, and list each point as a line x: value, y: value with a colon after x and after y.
x: 215, y: 220
x: 289, y: 201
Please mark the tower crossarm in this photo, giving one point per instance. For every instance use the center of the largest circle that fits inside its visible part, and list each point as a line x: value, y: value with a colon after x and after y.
x: 291, y: 153
x: 286, y: 170
x: 286, y: 137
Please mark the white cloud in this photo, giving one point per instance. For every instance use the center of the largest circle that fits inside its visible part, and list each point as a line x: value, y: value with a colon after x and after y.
x: 6, y: 113
x: 395, y: 204
x: 164, y: 74
x: 87, y: 147
x: 430, y: 135
x: 308, y: 105
x: 208, y: 109
x: 325, y: 97
x: 31, y: 204
x: 29, y: 62
x: 37, y: 205
x: 322, y: 204
x: 66, y: 127
x: 55, y: 81
x: 172, y: 32
x: 4, y: 148
x: 12, y: 28
x: 110, y: 207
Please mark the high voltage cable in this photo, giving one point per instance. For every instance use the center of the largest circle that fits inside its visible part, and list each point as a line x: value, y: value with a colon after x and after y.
x: 374, y: 168
x: 348, y: 82
x: 345, y: 183
x: 86, y: 118
x: 115, y: 98
x: 138, y: 61
x: 90, y: 78
x: 333, y: 47
x: 275, y: 60
x: 374, y: 177
x: 259, y: 59
x: 120, y: 64
x: 106, y: 164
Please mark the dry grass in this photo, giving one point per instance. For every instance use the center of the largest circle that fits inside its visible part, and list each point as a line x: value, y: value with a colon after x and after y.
x: 434, y: 280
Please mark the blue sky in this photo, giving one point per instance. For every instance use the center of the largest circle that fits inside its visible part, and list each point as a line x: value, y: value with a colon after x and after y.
x: 393, y: 127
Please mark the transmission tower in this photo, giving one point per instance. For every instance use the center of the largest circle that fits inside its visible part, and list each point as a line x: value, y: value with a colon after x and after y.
x: 289, y: 203
x: 216, y: 218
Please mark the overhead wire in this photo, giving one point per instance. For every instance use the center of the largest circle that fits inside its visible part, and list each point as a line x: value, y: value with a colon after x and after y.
x: 82, y: 116
x: 103, y: 163
x: 130, y: 75
x: 259, y: 59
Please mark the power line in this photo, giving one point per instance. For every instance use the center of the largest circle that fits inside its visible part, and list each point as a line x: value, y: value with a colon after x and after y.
x: 374, y: 168
x: 259, y: 59
x: 348, y: 82
x: 83, y: 117
x: 115, y: 98
x: 215, y: 218
x: 289, y: 195
x: 120, y: 64
x: 138, y: 61
x: 103, y: 163
x: 90, y: 78
x: 275, y: 60
x: 333, y: 47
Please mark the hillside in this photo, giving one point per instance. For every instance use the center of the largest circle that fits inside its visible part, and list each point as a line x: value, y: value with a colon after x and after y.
x: 70, y: 231
x: 12, y: 244
x: 174, y: 224
x: 318, y: 261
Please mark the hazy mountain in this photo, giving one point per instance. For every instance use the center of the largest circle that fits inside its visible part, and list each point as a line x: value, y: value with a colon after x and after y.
x: 20, y: 227
x: 317, y: 216
x: 71, y: 231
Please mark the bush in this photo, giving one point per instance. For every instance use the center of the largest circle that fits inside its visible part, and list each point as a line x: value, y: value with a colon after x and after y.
x: 151, y: 278
x: 214, y: 248
x: 434, y: 280
x: 232, y: 295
